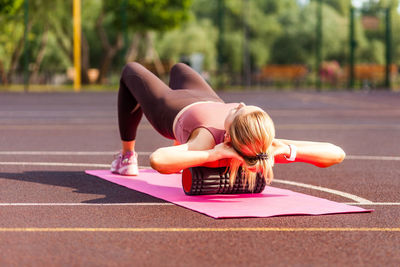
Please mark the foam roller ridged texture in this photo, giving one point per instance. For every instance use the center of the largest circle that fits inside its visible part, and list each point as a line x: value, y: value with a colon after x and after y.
x: 207, y: 181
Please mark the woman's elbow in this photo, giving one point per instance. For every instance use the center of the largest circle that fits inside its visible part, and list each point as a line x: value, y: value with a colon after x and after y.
x: 157, y: 163
x: 338, y: 156
x: 341, y: 155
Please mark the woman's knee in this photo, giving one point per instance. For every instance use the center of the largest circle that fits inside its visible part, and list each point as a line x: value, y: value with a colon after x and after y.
x: 178, y: 68
x: 132, y: 68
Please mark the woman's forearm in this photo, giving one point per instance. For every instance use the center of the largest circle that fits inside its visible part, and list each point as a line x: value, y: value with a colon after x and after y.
x: 320, y: 154
x: 173, y: 159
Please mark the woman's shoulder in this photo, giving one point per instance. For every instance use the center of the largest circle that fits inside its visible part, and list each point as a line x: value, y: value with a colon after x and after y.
x: 202, y: 139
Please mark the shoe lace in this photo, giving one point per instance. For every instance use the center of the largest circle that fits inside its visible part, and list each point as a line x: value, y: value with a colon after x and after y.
x: 117, y: 155
x: 129, y: 157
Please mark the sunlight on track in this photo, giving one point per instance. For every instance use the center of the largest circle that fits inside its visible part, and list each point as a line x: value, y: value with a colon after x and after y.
x: 358, y: 200
x: 319, y: 188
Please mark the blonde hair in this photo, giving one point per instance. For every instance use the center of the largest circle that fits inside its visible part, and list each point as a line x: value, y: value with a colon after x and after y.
x: 254, y: 131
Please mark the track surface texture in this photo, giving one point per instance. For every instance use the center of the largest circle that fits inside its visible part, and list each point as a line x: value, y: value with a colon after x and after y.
x: 53, y: 214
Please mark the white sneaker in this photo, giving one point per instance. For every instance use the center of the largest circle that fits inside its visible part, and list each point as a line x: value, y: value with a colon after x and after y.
x: 125, y: 164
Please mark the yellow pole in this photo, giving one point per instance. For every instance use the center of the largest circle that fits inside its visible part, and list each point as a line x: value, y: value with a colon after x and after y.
x: 77, y: 44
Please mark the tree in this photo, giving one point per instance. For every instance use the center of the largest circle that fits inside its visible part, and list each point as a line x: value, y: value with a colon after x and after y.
x: 377, y: 36
x: 193, y: 37
x: 341, y: 6
x: 260, y: 19
x: 142, y: 16
x: 297, y: 42
x: 10, y: 7
x: 42, y: 20
x: 11, y: 37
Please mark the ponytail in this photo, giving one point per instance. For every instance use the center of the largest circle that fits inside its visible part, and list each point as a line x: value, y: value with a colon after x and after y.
x: 255, y: 131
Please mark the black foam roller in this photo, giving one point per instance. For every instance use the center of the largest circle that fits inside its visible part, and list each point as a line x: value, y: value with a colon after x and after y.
x: 207, y: 181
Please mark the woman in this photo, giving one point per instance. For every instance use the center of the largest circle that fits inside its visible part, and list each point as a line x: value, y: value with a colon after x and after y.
x: 209, y: 132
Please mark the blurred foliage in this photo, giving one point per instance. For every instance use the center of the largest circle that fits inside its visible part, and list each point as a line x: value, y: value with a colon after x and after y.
x: 341, y: 6
x: 297, y: 43
x: 193, y: 37
x: 165, y: 31
x: 148, y: 14
x: 10, y: 7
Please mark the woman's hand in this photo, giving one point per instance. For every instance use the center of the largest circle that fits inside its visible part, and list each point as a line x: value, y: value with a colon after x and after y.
x: 225, y: 151
x: 320, y: 154
x: 280, y: 151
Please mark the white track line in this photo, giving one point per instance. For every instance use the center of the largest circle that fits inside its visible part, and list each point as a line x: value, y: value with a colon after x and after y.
x: 160, y: 204
x: 311, y: 126
x: 58, y: 164
x: 61, y: 164
x: 146, y: 153
x: 375, y: 203
x: 66, y: 153
x: 328, y: 190
x: 73, y: 125
x: 319, y: 188
x: 85, y: 204
x: 359, y: 157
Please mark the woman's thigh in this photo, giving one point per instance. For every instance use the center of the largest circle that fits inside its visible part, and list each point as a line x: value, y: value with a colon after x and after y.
x: 184, y: 77
x: 159, y: 103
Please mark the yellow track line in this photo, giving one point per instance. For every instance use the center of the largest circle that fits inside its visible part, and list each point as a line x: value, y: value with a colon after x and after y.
x: 240, y: 229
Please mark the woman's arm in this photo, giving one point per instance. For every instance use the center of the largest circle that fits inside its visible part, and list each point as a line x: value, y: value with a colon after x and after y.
x: 199, y: 150
x: 317, y: 153
x: 175, y: 158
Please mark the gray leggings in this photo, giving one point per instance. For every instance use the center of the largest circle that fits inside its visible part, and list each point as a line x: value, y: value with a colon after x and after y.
x: 159, y: 103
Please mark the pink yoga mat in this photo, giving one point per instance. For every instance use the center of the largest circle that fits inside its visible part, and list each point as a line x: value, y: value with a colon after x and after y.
x: 272, y: 202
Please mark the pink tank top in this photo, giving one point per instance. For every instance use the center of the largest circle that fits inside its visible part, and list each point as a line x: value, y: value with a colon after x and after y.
x: 210, y: 116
